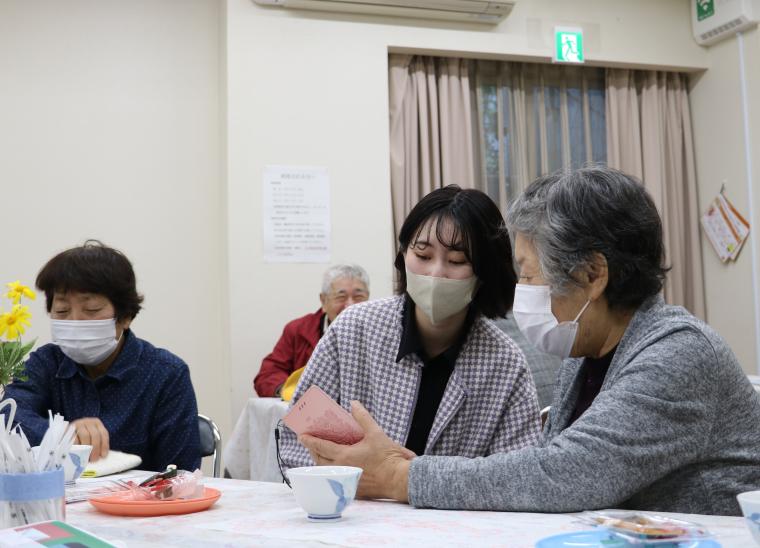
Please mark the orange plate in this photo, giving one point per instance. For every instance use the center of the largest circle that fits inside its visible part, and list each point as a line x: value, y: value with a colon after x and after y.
x: 117, y: 506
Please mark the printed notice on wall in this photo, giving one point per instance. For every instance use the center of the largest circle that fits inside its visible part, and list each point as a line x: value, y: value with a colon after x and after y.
x: 296, y: 214
x: 725, y: 227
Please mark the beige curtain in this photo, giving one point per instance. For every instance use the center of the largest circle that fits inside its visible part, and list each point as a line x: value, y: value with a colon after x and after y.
x: 534, y: 119
x: 649, y: 135
x: 431, y: 138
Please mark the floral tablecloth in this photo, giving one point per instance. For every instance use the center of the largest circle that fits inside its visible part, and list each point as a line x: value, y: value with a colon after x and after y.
x: 266, y: 514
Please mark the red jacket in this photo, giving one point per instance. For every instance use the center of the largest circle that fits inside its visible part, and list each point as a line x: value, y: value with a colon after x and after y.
x: 291, y: 352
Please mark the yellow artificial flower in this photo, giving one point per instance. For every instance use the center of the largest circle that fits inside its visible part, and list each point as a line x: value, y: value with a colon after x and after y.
x: 15, y: 322
x: 17, y: 291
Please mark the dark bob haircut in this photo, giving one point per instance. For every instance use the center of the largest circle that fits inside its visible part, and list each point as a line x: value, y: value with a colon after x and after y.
x: 478, y: 231
x: 572, y: 215
x: 92, y: 268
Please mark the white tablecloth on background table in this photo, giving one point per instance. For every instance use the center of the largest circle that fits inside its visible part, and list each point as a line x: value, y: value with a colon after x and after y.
x: 250, y: 452
x: 266, y: 514
x: 755, y: 380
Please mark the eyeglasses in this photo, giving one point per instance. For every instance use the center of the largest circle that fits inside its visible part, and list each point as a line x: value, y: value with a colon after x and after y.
x: 341, y: 298
x: 285, y: 479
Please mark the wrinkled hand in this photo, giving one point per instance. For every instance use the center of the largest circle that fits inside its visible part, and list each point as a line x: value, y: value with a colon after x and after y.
x: 90, y: 431
x: 385, y: 463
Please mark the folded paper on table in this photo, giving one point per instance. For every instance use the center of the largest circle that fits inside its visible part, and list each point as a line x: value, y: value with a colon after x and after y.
x: 90, y: 487
x: 50, y: 533
x: 113, y: 463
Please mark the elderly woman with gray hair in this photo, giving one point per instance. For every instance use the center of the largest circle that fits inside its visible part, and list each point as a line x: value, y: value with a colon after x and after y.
x: 651, y: 410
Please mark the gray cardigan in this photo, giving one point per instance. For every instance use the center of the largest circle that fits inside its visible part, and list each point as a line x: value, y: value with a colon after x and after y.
x: 675, y: 428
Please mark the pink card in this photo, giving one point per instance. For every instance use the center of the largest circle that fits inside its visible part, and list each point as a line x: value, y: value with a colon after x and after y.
x: 318, y: 415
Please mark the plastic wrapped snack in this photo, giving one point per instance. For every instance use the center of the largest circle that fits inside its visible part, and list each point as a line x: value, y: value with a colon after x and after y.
x: 645, y: 528
x: 172, y: 484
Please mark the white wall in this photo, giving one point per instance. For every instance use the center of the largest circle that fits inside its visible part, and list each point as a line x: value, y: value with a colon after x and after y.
x: 716, y: 106
x: 311, y: 89
x: 110, y: 128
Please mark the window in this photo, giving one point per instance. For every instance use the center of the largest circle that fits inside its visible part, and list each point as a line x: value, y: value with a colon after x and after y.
x: 533, y: 119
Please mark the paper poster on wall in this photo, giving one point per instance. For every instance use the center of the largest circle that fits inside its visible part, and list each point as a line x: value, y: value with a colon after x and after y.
x: 296, y: 214
x: 725, y: 227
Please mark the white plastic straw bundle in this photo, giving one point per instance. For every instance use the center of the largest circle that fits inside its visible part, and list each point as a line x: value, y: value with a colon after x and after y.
x: 18, y: 458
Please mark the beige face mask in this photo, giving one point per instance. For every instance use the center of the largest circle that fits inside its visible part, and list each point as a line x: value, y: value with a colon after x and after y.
x: 440, y: 298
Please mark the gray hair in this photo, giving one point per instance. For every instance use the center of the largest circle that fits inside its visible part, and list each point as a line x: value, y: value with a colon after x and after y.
x: 343, y: 271
x: 572, y: 215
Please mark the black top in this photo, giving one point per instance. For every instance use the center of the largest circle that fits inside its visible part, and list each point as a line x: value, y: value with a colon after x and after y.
x: 593, y: 371
x: 435, y: 375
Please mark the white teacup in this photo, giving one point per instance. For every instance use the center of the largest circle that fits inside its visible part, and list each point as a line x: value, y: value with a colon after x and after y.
x: 79, y: 456
x: 324, y: 491
x: 750, y: 504
x: 74, y: 465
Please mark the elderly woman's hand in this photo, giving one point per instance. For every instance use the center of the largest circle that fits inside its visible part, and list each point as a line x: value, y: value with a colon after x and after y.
x: 385, y: 463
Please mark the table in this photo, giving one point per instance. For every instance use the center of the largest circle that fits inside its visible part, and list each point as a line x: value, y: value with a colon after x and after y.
x: 266, y: 514
x: 250, y: 452
x: 755, y: 380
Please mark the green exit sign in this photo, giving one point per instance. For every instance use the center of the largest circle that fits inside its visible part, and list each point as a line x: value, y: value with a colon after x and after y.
x: 568, y: 45
x: 705, y: 9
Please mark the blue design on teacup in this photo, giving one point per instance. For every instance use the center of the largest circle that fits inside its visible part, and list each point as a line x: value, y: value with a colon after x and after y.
x: 337, y: 488
x: 78, y: 468
x: 753, y: 523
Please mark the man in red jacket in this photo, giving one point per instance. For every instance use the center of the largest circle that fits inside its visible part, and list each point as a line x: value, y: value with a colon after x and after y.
x: 342, y: 286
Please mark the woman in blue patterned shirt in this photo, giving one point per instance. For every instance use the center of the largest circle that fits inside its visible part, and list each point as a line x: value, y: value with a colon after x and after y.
x: 120, y: 392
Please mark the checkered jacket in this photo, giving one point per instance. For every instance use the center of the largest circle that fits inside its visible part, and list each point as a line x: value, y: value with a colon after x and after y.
x: 489, y: 405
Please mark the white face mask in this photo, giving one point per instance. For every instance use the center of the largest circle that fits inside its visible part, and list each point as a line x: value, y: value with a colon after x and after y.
x: 440, y: 298
x: 533, y: 313
x: 87, y: 342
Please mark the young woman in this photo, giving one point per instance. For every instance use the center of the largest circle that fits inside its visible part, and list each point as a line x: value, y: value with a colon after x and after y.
x: 120, y: 392
x: 436, y: 373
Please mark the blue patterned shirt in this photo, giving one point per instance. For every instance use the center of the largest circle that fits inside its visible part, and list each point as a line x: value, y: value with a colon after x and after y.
x: 145, y: 401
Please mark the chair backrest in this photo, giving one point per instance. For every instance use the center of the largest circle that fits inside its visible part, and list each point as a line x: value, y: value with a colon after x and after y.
x: 545, y: 414
x: 210, y: 441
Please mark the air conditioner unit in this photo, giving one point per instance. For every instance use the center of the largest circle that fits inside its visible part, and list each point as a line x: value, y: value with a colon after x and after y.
x: 714, y: 20
x: 475, y: 11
